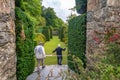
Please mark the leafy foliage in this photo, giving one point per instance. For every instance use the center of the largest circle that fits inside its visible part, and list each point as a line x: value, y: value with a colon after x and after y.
x: 77, y: 39
x: 51, y: 18
x: 103, y: 71
x: 24, y: 44
x: 39, y: 37
x: 28, y: 18
x: 113, y: 54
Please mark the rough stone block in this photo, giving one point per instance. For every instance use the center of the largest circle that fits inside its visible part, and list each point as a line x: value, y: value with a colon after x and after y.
x: 92, y: 5
x: 114, y: 3
x: 7, y: 40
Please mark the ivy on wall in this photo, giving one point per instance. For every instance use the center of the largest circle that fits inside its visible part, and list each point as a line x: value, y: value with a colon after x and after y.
x: 39, y: 37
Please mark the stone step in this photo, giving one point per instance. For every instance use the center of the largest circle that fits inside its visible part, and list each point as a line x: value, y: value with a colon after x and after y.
x: 52, y: 72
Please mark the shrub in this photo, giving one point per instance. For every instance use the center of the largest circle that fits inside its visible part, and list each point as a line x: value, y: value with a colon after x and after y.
x: 39, y: 37
x: 113, y: 54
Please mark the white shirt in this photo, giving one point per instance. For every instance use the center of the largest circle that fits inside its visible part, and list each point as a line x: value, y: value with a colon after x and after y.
x: 39, y: 52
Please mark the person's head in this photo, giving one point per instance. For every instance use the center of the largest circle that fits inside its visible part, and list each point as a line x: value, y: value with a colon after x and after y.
x: 59, y: 45
x: 41, y: 43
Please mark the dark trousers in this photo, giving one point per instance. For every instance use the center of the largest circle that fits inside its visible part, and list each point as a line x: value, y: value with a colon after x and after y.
x: 38, y: 62
x: 59, y: 59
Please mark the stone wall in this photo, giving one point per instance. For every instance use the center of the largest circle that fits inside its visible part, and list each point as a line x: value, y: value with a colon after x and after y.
x: 102, y: 17
x: 7, y: 40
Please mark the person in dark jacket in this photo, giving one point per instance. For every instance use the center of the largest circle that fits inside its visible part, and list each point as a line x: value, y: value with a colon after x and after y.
x: 58, y: 51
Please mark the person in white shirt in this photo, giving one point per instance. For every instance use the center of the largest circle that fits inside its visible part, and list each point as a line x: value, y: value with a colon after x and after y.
x: 40, y: 55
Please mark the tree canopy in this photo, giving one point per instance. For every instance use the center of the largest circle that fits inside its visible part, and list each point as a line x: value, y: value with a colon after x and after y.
x: 51, y: 17
x: 81, y: 6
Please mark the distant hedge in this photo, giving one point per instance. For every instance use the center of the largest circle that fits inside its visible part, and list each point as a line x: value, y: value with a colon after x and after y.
x: 51, y: 31
x: 77, y: 40
x: 46, y: 33
x: 24, y: 44
x: 61, y: 33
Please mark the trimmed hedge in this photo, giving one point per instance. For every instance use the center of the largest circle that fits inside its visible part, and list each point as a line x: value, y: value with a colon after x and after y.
x: 77, y: 40
x: 61, y: 33
x: 24, y: 45
x: 51, y: 31
x: 46, y: 33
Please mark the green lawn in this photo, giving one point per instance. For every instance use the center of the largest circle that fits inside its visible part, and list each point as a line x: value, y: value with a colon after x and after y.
x: 52, y: 44
x: 49, y: 47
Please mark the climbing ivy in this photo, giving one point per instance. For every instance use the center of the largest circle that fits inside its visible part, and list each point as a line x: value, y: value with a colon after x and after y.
x: 24, y: 44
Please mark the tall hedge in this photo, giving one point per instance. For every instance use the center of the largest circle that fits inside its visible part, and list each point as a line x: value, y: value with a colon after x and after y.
x: 51, y: 31
x: 61, y: 33
x: 28, y: 18
x: 81, y: 6
x: 77, y: 40
x: 46, y: 33
x: 24, y: 44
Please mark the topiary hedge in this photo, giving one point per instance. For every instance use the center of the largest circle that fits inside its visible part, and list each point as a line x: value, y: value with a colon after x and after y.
x: 61, y: 33
x: 77, y: 40
x: 46, y: 33
x: 51, y: 31
x: 24, y: 45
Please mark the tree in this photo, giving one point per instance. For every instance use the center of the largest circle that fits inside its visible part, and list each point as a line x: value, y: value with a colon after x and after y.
x: 51, y: 18
x: 81, y: 6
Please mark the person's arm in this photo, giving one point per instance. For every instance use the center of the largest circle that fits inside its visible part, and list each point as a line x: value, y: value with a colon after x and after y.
x: 43, y: 51
x: 63, y: 49
x: 35, y: 50
x: 54, y: 50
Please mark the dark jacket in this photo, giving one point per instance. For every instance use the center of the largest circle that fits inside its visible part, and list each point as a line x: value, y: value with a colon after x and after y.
x: 59, y: 50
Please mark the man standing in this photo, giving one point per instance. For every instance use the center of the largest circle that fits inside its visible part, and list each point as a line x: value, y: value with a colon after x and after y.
x: 58, y: 51
x: 40, y: 55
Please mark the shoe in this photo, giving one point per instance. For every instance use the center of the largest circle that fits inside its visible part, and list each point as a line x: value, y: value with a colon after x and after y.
x: 60, y: 64
x: 43, y: 67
